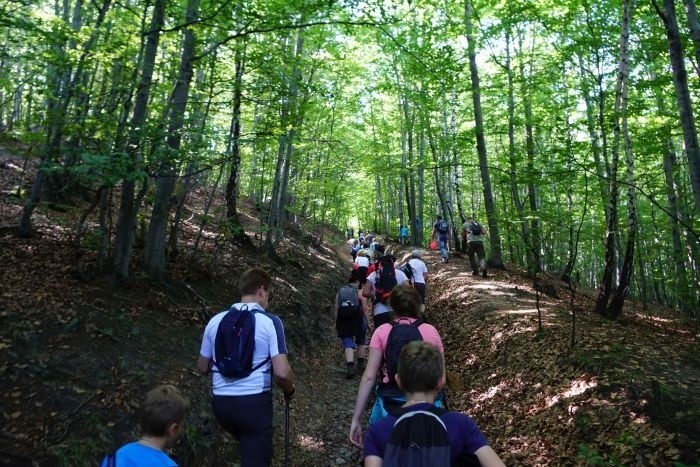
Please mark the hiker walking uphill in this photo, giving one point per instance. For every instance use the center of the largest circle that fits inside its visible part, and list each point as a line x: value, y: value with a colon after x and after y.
x: 243, y: 365
x: 441, y: 233
x: 385, y: 347
x: 362, y: 263
x: 419, y: 274
x: 403, y: 235
x: 473, y: 236
x: 421, y: 434
x: 379, y: 285
x: 351, y: 323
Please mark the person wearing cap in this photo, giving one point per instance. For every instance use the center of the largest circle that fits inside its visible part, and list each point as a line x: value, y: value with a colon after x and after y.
x: 420, y: 274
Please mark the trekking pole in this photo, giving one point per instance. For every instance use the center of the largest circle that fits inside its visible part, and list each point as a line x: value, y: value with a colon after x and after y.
x: 286, y: 433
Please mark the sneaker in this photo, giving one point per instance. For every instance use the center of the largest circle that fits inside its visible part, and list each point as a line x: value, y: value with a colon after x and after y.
x: 350, y: 372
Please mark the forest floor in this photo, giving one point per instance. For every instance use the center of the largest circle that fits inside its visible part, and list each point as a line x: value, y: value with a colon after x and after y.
x: 77, y: 352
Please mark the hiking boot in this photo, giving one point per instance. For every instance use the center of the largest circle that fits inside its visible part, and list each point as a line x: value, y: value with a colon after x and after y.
x: 350, y: 371
x: 360, y: 365
x: 484, y: 273
x: 475, y: 273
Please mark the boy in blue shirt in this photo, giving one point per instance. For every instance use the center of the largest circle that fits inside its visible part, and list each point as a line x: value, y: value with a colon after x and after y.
x: 162, y: 422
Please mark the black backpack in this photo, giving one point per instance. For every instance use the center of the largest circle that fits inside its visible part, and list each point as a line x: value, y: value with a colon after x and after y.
x: 408, y: 270
x: 400, y: 335
x: 443, y: 227
x: 235, y: 344
x: 476, y: 228
x: 420, y: 439
x: 385, y: 279
x: 348, y: 303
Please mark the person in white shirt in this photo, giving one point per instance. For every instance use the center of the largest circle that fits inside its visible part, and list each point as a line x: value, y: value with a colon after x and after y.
x: 420, y: 274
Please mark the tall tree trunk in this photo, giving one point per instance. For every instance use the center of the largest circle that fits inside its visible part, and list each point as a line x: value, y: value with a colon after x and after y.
x: 126, y: 223
x: 235, y: 148
x: 615, y: 307
x: 685, y: 106
x: 495, y: 258
x: 692, y: 13
x: 606, y: 284
x: 534, y: 235
x: 512, y: 150
x: 289, y: 121
x: 154, y: 250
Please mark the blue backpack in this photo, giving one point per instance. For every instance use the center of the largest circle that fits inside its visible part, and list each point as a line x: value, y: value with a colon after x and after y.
x: 235, y: 344
x: 443, y: 227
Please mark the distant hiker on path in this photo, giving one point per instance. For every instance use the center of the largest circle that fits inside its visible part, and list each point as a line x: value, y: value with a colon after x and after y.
x: 379, y: 285
x: 162, y: 416
x: 243, y: 405
x: 403, y: 235
x: 473, y: 235
x: 362, y: 263
x: 421, y: 373
x: 441, y: 233
x: 351, y: 323
x: 383, y: 347
x: 419, y: 274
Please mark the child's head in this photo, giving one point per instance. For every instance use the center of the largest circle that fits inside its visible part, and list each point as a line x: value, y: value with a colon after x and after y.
x: 405, y: 301
x: 163, y: 412
x: 420, y: 367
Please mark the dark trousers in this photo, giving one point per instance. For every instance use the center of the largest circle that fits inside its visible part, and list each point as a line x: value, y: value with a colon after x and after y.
x: 475, y: 250
x: 420, y: 287
x: 249, y: 420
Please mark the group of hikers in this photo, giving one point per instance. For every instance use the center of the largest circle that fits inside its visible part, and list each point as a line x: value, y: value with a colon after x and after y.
x: 408, y: 423
x: 244, y: 349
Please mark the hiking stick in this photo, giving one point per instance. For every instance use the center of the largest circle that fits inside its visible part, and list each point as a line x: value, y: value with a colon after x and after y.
x: 286, y: 433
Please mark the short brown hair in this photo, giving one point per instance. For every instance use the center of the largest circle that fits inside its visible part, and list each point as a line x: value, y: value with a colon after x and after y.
x: 163, y: 406
x: 405, y: 301
x: 252, y: 279
x: 420, y: 367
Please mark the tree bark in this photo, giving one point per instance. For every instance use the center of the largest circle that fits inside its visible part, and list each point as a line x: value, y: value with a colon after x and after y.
x: 235, y: 149
x: 685, y: 106
x: 126, y: 223
x: 154, y: 250
x: 495, y: 258
x: 606, y: 284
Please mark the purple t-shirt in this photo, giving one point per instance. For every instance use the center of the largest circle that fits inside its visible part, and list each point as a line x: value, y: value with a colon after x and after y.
x: 465, y: 436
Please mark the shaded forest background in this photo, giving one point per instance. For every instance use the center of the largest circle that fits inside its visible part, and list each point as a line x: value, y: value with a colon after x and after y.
x: 569, y: 130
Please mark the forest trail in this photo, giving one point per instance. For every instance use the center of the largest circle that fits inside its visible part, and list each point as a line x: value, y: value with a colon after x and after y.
x: 77, y: 355
x: 324, y: 390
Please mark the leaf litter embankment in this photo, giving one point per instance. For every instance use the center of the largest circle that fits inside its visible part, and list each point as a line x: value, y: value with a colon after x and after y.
x: 625, y: 393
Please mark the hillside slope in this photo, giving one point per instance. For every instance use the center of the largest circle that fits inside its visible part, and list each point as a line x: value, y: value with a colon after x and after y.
x: 77, y: 355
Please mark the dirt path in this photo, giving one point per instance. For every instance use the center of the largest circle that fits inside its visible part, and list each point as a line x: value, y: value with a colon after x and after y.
x: 322, y: 411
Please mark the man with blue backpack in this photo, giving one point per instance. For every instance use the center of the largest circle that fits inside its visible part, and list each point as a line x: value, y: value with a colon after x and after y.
x: 420, y: 434
x: 245, y: 349
x: 441, y: 233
